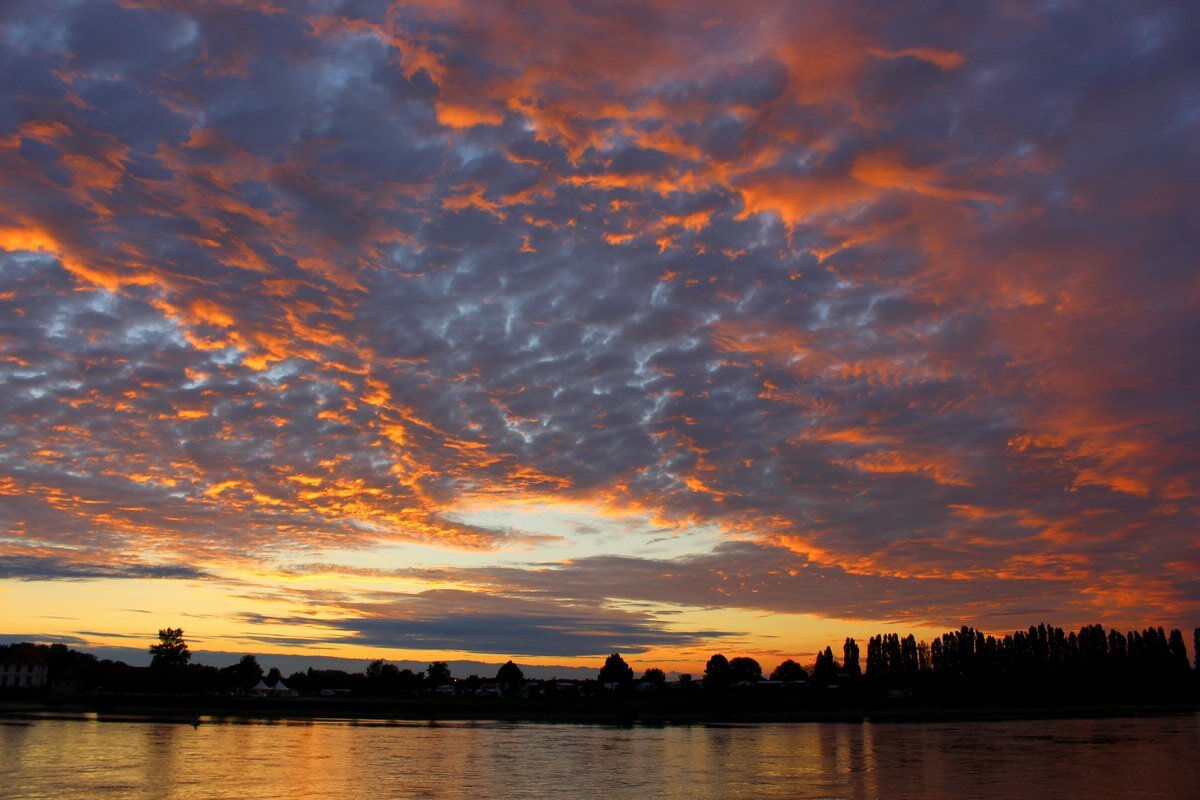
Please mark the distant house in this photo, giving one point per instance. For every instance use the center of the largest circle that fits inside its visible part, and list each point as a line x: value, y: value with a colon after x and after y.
x: 533, y: 688
x: 23, y: 668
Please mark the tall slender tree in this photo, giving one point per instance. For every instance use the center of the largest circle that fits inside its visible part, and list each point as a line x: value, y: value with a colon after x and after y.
x: 1178, y: 651
x: 850, y: 657
x: 825, y: 670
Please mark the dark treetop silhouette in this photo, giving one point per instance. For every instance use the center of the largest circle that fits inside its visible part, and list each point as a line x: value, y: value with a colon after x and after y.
x: 171, y: 650
x: 616, y: 671
x: 1038, y: 668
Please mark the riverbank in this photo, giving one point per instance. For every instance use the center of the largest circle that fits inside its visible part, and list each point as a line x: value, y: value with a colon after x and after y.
x: 601, y: 710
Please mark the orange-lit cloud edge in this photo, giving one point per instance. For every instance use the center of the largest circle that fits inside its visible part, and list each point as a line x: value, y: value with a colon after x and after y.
x: 331, y: 285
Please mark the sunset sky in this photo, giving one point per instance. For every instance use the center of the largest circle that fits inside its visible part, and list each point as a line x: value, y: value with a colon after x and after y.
x: 542, y: 329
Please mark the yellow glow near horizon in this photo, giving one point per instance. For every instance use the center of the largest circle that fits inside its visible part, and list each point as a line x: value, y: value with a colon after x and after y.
x: 128, y: 613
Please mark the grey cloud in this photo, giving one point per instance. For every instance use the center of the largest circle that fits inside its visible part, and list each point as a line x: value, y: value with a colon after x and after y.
x: 775, y: 580
x: 41, y: 638
x: 964, y: 383
x: 43, y: 568
x: 456, y: 620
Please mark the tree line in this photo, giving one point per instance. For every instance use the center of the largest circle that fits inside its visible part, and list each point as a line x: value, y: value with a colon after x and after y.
x: 1041, y: 652
x: 1090, y: 659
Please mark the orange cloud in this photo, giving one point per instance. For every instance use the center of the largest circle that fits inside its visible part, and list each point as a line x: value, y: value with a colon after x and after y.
x: 472, y: 197
x: 938, y: 467
x: 454, y: 115
x: 885, y: 170
x: 947, y: 60
x: 798, y: 200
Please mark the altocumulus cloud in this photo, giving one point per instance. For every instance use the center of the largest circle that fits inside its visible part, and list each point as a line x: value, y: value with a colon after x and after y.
x: 901, y: 297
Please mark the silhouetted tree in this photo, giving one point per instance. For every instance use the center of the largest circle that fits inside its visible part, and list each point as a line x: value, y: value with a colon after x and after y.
x: 382, y: 678
x: 850, y: 657
x: 274, y: 676
x: 615, y: 670
x: 1118, y: 649
x: 438, y: 673
x: 510, y: 674
x: 875, y: 656
x: 409, y: 681
x: 298, y: 681
x: 655, y: 676
x: 249, y: 668
x: 242, y: 675
x: 1093, y: 650
x: 825, y: 670
x: 893, y: 654
x: 888, y: 654
x: 171, y: 650
x: 1042, y: 658
x: 908, y: 654
x: 744, y: 668
x: 1178, y: 651
x: 70, y: 666
x: 716, y: 672
x: 789, y: 671
x: 1196, y: 647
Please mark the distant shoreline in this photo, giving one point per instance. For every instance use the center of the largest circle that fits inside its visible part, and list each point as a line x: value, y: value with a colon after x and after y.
x: 592, y: 711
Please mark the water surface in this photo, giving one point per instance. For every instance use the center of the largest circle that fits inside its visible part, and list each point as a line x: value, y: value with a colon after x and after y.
x: 1095, y: 759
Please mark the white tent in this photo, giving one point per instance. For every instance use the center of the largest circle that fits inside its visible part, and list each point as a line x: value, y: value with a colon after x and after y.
x: 280, y: 689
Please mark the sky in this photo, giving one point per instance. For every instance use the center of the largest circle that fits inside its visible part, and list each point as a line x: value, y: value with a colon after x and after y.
x: 543, y: 330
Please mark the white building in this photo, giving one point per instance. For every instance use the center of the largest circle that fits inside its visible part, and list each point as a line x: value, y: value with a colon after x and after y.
x: 23, y: 668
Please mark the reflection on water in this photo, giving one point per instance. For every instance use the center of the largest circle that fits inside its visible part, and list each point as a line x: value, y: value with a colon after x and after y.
x: 89, y: 758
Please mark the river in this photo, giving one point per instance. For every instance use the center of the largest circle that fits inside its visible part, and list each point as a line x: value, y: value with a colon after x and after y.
x: 294, y: 760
